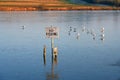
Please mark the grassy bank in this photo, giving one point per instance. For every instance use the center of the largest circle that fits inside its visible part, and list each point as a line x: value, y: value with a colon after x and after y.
x: 55, y: 5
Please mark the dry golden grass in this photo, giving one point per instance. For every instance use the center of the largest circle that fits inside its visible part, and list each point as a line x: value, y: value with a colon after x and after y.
x: 30, y: 3
x: 46, y: 5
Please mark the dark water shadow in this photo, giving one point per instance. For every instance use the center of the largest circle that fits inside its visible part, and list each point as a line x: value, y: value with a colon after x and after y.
x: 116, y: 64
x: 118, y: 79
x: 1, y: 77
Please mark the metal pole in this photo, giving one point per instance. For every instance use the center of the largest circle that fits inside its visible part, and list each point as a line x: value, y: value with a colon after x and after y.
x: 52, y: 45
x: 52, y: 42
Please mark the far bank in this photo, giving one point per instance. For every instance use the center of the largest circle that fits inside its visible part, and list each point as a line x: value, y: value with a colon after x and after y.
x: 4, y: 8
x: 48, y: 6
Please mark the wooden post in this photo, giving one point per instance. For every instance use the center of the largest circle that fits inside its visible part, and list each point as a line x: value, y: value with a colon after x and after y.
x: 44, y: 50
x: 55, y: 52
x: 44, y: 55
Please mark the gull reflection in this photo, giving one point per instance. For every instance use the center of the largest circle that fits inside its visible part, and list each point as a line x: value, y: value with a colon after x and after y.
x: 102, y: 38
x: 88, y: 31
x: 93, y: 34
x: 70, y: 28
x: 93, y: 38
x: 74, y: 29
x: 69, y: 33
x: 83, y: 29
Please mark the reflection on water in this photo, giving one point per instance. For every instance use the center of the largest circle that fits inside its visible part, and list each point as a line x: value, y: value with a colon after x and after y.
x: 51, y: 75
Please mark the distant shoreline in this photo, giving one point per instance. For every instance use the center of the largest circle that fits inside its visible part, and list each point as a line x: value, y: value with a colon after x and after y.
x: 56, y: 8
x: 47, y: 6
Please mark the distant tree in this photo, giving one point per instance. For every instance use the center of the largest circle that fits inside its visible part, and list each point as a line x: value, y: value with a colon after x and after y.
x: 97, y: 1
x: 106, y: 2
x: 117, y: 3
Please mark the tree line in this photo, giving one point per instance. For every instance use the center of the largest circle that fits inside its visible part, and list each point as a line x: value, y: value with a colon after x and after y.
x: 106, y: 2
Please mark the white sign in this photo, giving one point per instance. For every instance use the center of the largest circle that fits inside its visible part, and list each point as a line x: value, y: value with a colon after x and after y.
x: 52, y: 32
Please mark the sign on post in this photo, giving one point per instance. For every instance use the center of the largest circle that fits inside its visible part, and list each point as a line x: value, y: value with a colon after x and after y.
x: 52, y: 32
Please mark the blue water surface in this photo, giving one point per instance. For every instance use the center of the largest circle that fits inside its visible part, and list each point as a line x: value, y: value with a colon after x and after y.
x: 84, y: 51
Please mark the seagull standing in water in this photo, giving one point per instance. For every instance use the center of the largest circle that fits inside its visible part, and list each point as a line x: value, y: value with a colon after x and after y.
x: 83, y: 29
x: 102, y: 29
x: 23, y: 27
x: 78, y: 35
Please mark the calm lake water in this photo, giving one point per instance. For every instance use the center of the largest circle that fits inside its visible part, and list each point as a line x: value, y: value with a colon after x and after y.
x: 84, y: 51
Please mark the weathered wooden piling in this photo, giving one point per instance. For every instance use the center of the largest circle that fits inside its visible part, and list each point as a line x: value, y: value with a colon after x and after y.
x: 44, y: 54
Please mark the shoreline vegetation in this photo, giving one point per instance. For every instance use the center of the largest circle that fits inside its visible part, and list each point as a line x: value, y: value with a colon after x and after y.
x: 48, y: 6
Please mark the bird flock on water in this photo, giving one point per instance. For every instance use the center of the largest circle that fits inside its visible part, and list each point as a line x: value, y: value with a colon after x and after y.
x: 92, y: 32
